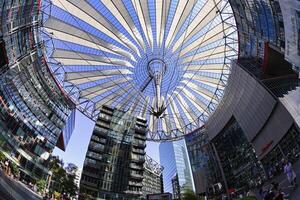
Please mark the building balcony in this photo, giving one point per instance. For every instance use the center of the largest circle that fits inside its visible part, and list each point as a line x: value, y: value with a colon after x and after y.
x: 133, y: 183
x: 103, y: 124
x: 142, y: 137
x: 139, y: 151
x: 85, y: 172
x: 138, y: 160
x: 99, y: 139
x: 93, y: 184
x: 134, y: 166
x: 136, y: 176
x: 105, y: 118
x: 139, y: 144
x: 141, y: 129
x: 95, y: 149
x: 133, y: 192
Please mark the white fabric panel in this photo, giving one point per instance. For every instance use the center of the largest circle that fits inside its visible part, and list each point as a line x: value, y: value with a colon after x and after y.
x: 176, y: 114
x: 144, y: 108
x: 216, y: 67
x: 69, y: 33
x: 188, y: 112
x: 189, y: 6
x: 208, y: 54
x: 88, y: 58
x: 152, y: 125
x: 115, y: 8
x: 205, y: 79
x: 109, y: 99
x: 98, y: 89
x: 143, y: 15
x: 67, y: 62
x: 193, y: 99
x: 159, y: 16
x: 179, y: 9
x: 205, y: 15
x: 213, y: 34
x: 202, y: 91
x: 87, y: 80
x: 88, y: 74
x: 83, y: 15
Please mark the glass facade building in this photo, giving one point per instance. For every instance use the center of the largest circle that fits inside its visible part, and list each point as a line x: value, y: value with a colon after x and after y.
x: 177, y: 175
x: 247, y: 137
x: 114, y: 163
x: 238, y: 159
x: 205, y: 168
x: 35, y: 111
x: 258, y: 22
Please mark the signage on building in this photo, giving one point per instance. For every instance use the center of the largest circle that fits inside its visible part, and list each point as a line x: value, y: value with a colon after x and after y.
x: 266, y: 147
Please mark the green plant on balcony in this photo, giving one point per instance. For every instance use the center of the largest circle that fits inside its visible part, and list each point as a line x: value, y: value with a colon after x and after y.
x: 247, y: 198
x: 41, y: 184
x: 190, y: 195
x: 14, y: 169
x: 2, y: 156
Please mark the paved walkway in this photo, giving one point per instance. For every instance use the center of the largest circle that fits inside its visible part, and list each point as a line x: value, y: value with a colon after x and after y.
x: 14, y: 190
x: 294, y: 194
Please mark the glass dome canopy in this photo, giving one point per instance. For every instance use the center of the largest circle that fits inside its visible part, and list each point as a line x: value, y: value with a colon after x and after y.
x: 166, y: 61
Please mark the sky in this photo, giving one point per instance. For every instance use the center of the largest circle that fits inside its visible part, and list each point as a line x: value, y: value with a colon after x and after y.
x: 78, y: 144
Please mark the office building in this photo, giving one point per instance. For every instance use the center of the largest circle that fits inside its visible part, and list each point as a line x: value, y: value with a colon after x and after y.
x: 205, y: 169
x: 177, y: 175
x: 35, y: 112
x: 252, y: 132
x: 114, y: 163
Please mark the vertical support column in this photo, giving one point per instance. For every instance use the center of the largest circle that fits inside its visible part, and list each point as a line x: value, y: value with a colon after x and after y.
x: 221, y: 169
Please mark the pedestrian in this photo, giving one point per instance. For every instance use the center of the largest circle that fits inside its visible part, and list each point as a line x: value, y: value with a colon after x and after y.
x: 277, y: 194
x: 7, y: 167
x: 288, y: 170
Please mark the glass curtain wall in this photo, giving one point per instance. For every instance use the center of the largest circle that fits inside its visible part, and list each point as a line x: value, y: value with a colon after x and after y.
x: 237, y: 158
x: 34, y: 109
x: 174, y: 158
x: 258, y: 22
x: 205, y: 168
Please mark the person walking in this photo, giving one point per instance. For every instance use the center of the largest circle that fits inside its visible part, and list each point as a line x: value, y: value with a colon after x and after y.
x: 288, y: 170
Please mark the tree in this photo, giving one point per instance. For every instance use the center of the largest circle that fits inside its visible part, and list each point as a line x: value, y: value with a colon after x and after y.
x: 14, y: 169
x: 69, y: 185
x: 55, y: 163
x: 84, y: 196
x: 63, y: 179
x: 41, y: 184
x: 71, y: 168
x: 2, y: 156
x: 190, y: 195
x: 59, y: 175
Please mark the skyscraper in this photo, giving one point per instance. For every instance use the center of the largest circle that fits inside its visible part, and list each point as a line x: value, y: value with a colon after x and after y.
x: 177, y: 173
x: 113, y: 167
x: 205, y: 169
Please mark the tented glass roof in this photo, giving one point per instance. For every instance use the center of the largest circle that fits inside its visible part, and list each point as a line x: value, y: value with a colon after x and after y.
x: 164, y: 60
